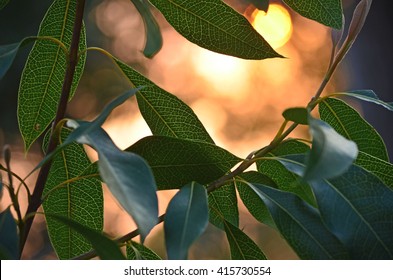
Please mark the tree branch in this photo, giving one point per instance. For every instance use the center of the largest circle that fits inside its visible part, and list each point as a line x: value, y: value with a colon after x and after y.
x: 60, y: 113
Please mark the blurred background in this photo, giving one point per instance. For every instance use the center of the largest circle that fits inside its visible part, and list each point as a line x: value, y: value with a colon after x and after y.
x: 239, y: 101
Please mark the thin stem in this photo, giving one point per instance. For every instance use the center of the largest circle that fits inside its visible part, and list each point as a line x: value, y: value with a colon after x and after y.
x: 60, y: 113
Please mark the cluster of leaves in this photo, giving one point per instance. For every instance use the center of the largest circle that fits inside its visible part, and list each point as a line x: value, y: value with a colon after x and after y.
x: 332, y: 199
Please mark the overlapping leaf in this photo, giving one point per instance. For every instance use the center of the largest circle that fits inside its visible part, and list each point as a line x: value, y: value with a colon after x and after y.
x: 176, y: 162
x: 185, y: 220
x: 327, y: 12
x: 136, y: 251
x: 73, y: 190
x: 152, y: 30
x: 348, y: 122
x: 106, y: 249
x: 223, y: 206
x: 9, y: 247
x: 300, y: 224
x: 242, y: 247
x: 43, y: 75
x: 284, y: 179
x: 230, y: 33
x: 357, y: 208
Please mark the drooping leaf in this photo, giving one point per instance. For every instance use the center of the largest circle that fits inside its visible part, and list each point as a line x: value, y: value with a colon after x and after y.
x: 185, y: 220
x: 81, y: 199
x: 300, y: 224
x: 9, y: 247
x: 260, y: 4
x: 106, y: 249
x: 284, y: 179
x: 230, y: 33
x: 43, y: 75
x: 372, y: 150
x: 165, y: 114
x: 136, y: 251
x: 357, y: 208
x: 331, y: 154
x: 223, y: 206
x: 251, y: 200
x: 242, y: 247
x: 152, y: 30
x: 176, y: 162
x: 327, y: 12
x: 298, y: 115
x: 367, y: 95
x: 4, y: 3
x: 127, y: 175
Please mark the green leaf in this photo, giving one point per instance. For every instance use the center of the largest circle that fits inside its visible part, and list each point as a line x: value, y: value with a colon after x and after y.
x: 242, y: 247
x: 348, y: 122
x: 300, y: 224
x: 223, y: 206
x: 298, y: 115
x: 165, y: 114
x: 152, y: 30
x: 136, y: 251
x: 251, y: 200
x: 4, y: 3
x: 127, y: 175
x: 284, y: 179
x: 9, y: 246
x: 331, y: 154
x: 43, y: 75
x: 105, y: 248
x: 367, y: 95
x: 260, y: 4
x: 80, y: 199
x: 176, y: 162
x: 356, y: 207
x: 327, y: 12
x: 230, y: 33
x: 185, y: 220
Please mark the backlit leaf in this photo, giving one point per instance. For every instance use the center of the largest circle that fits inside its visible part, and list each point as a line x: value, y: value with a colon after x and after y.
x: 43, y: 75
x: 176, y: 162
x: 185, y: 220
x: 300, y: 224
x: 229, y: 33
x: 327, y: 12
x: 136, y: 251
x: 242, y: 247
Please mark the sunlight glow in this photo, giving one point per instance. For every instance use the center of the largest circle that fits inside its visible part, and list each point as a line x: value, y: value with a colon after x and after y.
x: 275, y: 25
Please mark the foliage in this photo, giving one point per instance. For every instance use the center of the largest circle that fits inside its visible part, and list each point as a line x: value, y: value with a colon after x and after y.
x: 329, y: 200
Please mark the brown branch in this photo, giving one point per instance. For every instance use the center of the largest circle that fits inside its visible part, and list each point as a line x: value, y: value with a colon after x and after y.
x: 60, y: 113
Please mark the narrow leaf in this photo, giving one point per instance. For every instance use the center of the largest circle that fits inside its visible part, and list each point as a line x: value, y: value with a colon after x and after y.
x: 331, y: 154
x: 80, y: 200
x: 356, y: 207
x: 298, y: 115
x: 9, y: 247
x: 165, y: 114
x: 152, y: 30
x: 260, y: 4
x: 328, y: 12
x: 300, y: 224
x: 136, y: 251
x: 230, y: 33
x: 176, y: 162
x: 43, y: 75
x: 284, y: 179
x: 251, y: 200
x: 185, y: 220
x: 242, y: 247
x: 127, y: 175
x: 367, y: 95
x: 105, y: 248
x: 358, y: 20
x: 223, y: 206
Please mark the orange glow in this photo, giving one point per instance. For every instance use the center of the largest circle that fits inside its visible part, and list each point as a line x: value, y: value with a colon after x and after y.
x: 275, y: 25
